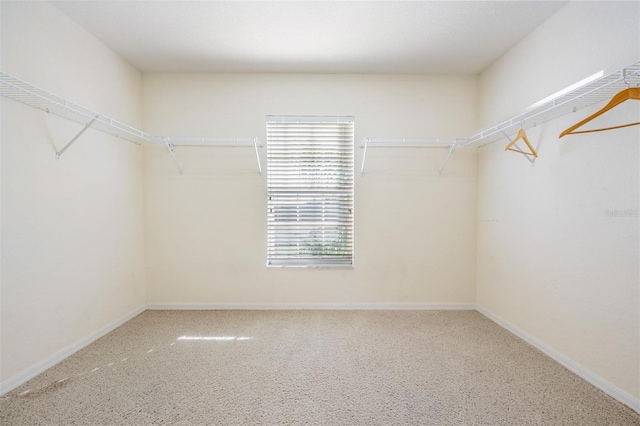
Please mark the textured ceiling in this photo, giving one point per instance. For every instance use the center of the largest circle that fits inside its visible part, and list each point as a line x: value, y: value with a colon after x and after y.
x: 311, y: 36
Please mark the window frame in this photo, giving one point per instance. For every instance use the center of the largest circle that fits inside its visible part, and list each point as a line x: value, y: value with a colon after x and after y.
x: 335, y: 191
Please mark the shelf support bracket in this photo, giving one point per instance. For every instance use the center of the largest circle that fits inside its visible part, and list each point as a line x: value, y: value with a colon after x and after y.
x: 364, y: 155
x: 255, y: 146
x: 446, y: 159
x: 170, y: 148
x: 84, y: 129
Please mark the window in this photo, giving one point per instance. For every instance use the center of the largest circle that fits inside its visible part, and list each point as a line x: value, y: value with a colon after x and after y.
x: 310, y: 191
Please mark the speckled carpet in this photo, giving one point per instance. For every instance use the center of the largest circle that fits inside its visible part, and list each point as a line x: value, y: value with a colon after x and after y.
x: 310, y: 367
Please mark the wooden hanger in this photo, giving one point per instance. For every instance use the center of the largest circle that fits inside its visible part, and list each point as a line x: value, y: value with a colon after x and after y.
x: 521, y: 135
x: 626, y: 94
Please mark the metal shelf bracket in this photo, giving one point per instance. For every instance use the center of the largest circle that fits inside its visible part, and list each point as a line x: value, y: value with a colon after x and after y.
x: 255, y: 146
x: 365, y: 145
x: 446, y: 159
x: 59, y: 153
x: 171, y: 152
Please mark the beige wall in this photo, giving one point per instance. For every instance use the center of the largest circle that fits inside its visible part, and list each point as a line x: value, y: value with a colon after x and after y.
x: 72, y: 235
x: 551, y: 262
x: 206, y: 231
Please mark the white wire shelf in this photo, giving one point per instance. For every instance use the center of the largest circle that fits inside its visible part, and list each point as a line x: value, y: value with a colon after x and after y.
x: 21, y: 91
x: 29, y: 94
x: 198, y: 141
x: 248, y: 142
x: 561, y: 103
x: 576, y: 97
x: 408, y: 143
x: 592, y: 90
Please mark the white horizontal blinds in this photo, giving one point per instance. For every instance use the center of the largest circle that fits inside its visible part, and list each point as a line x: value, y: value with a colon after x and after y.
x: 310, y: 190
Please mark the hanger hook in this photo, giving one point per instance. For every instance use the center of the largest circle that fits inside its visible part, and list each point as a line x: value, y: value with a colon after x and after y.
x: 624, y: 78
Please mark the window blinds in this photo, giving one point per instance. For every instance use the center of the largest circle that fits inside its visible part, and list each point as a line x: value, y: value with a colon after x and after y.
x: 310, y: 191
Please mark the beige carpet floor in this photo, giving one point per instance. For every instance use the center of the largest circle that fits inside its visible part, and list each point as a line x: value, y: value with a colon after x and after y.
x: 310, y: 367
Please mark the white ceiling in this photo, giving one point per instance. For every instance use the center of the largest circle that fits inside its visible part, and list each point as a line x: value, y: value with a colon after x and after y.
x: 311, y: 36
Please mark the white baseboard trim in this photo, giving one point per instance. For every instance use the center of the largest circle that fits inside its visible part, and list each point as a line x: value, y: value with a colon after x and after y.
x: 314, y: 306
x: 65, y: 352
x: 597, y: 381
